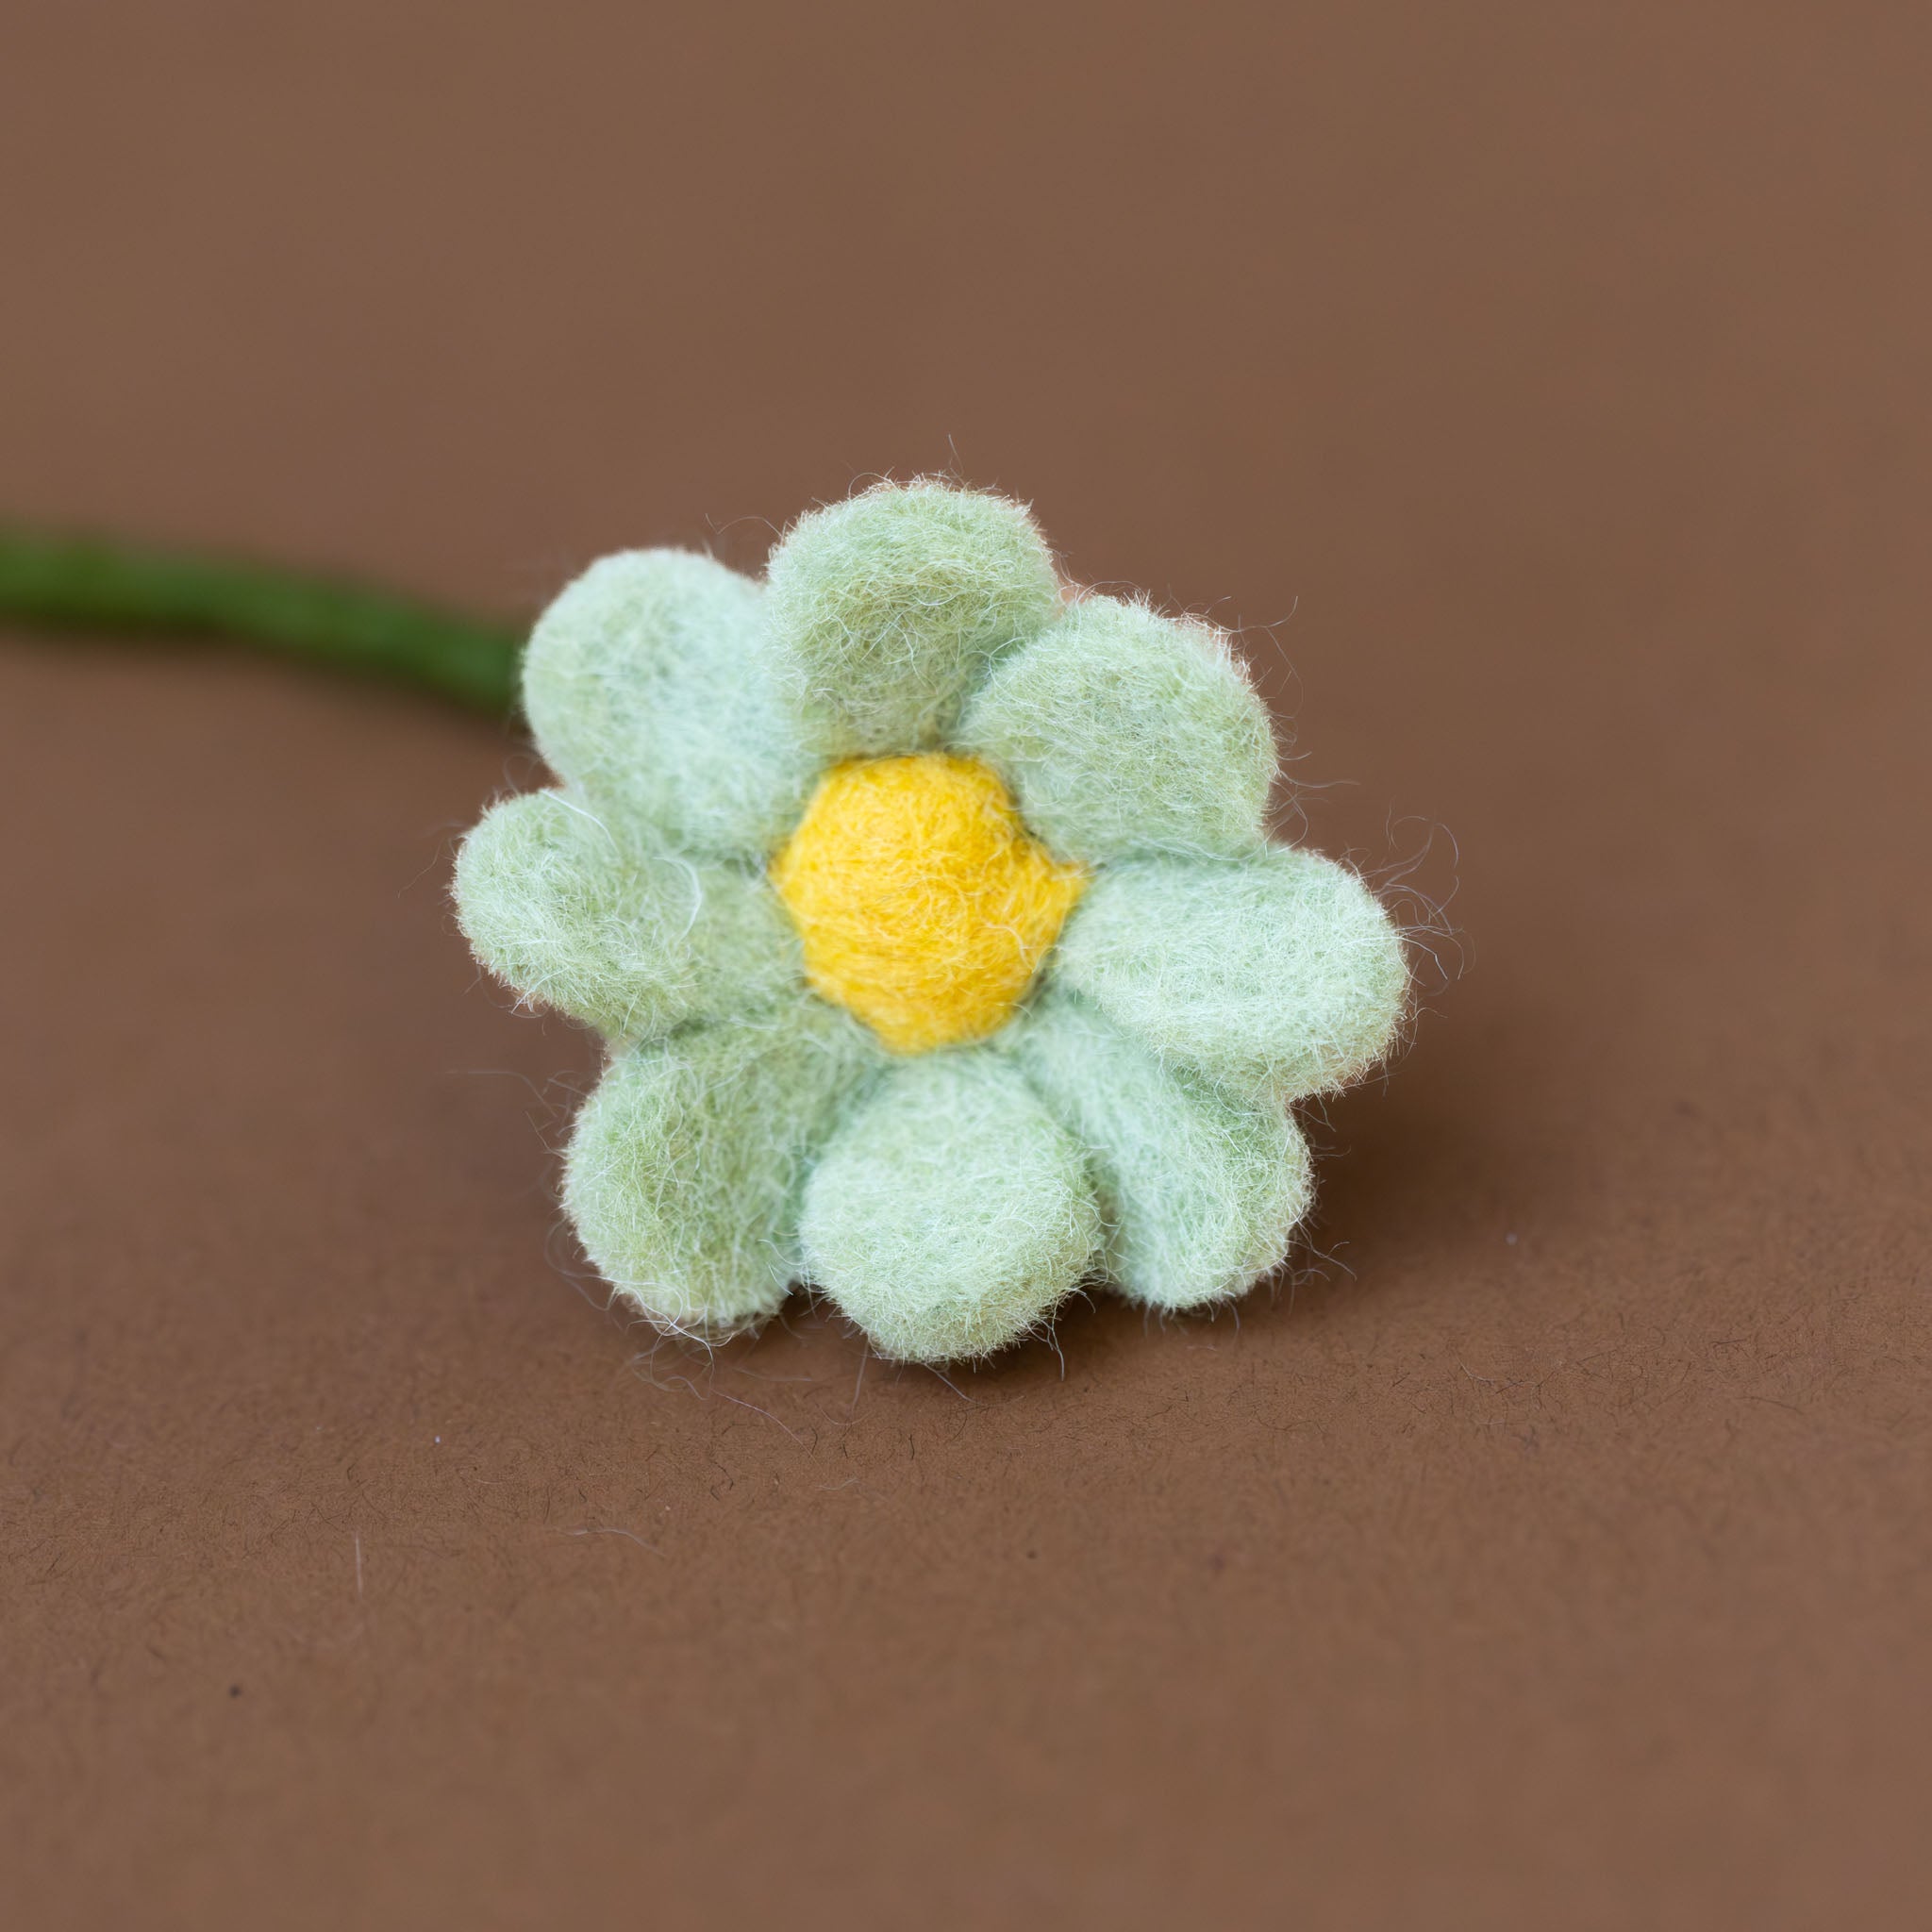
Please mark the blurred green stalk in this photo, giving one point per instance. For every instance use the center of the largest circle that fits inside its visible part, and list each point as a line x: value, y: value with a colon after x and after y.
x: 92, y: 583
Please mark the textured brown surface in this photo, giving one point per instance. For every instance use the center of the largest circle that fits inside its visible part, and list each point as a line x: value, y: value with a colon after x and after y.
x: 1555, y: 383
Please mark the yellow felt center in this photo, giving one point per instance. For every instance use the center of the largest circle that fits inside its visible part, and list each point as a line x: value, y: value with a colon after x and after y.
x: 924, y: 905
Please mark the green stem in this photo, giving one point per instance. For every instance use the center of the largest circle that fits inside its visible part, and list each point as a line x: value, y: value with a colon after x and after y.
x: 94, y: 584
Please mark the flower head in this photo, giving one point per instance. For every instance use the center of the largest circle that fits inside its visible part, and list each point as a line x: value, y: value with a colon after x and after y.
x: 929, y: 914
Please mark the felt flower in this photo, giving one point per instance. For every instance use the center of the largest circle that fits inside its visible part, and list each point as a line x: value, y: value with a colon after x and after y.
x: 928, y: 911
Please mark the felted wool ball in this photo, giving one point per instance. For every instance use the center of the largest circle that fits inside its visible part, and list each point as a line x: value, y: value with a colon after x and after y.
x: 928, y: 910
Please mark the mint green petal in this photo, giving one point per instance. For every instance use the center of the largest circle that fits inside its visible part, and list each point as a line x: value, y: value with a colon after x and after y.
x: 1279, y: 971
x: 686, y: 1165
x: 888, y: 607
x: 1199, y: 1190
x: 949, y: 1214
x: 650, y: 687
x: 575, y: 917
x: 1122, y: 731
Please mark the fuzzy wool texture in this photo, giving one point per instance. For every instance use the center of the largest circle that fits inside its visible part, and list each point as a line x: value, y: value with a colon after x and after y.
x: 930, y: 916
x: 687, y: 1166
x: 951, y: 1214
x: 1199, y: 1190
x: 1124, y: 732
x: 1277, y: 972
x: 923, y: 906
x: 579, y: 917
x: 652, y: 685
x: 888, y: 608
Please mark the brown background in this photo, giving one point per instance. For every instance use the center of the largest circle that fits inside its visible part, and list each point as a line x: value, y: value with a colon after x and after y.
x: 1549, y: 389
